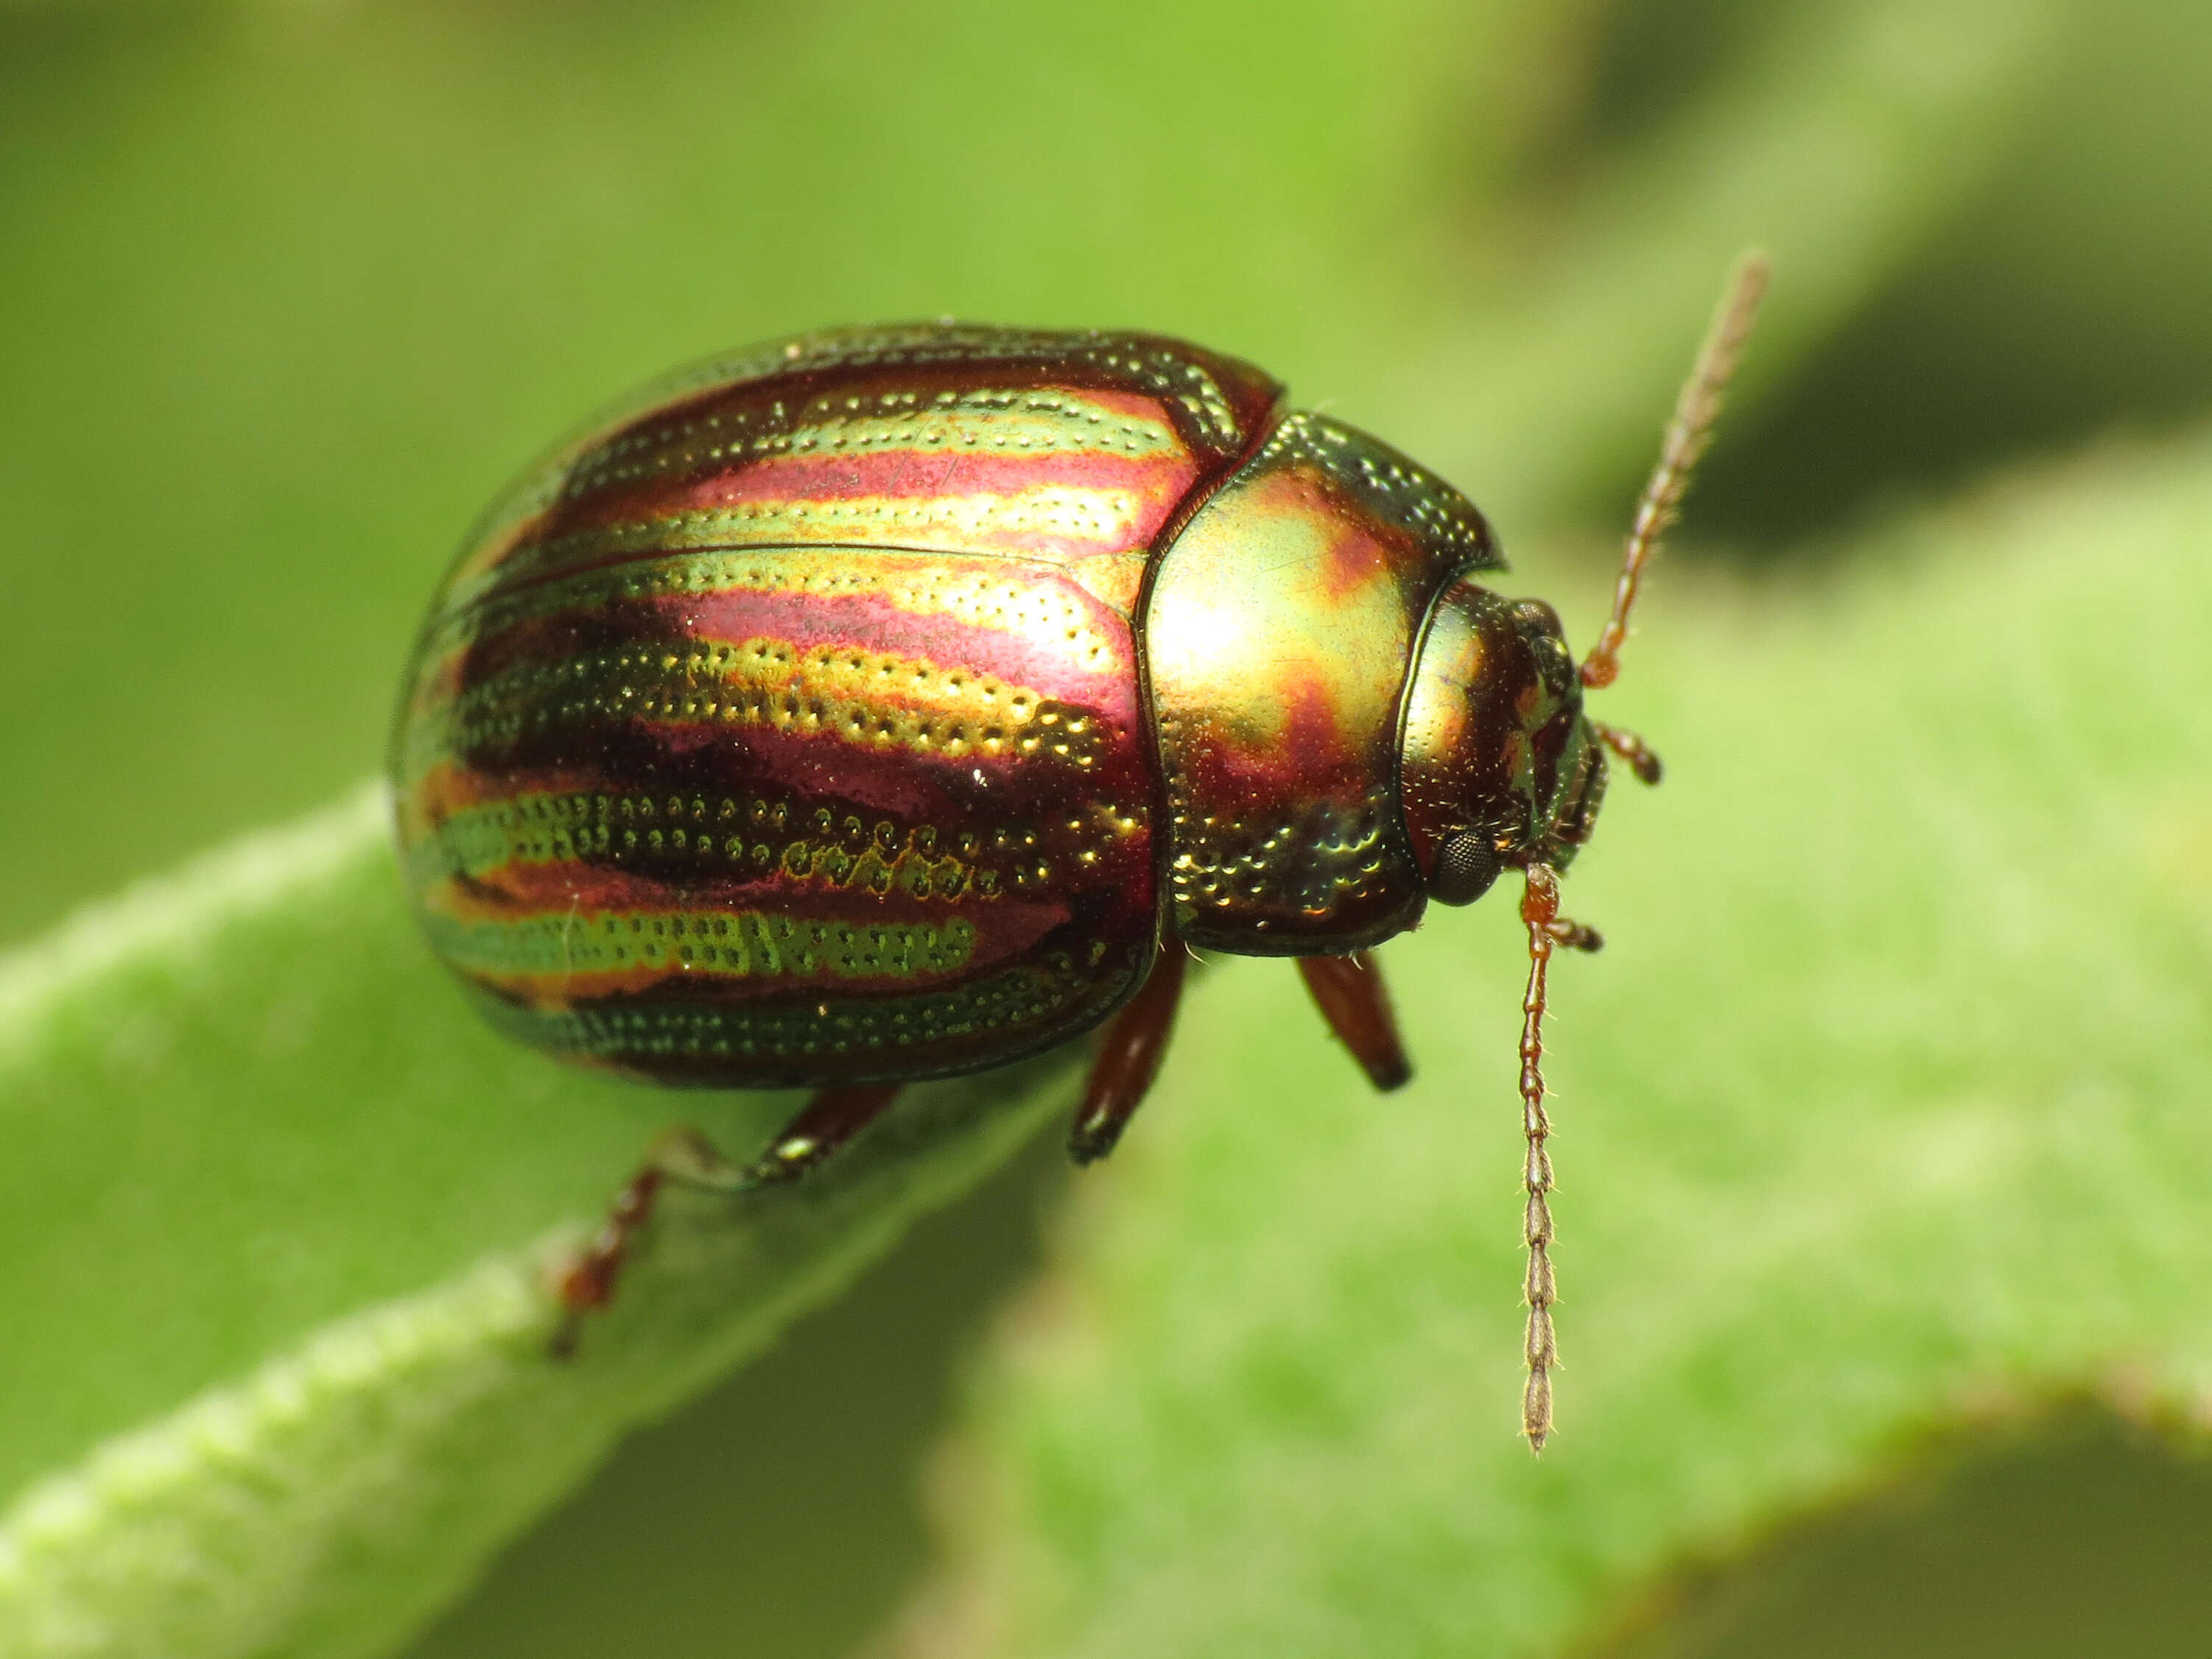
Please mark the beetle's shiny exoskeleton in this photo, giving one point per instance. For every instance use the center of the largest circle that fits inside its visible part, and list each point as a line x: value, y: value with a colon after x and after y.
x: 890, y: 703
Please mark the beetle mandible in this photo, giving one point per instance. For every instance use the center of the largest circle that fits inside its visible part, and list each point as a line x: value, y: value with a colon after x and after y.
x: 885, y: 704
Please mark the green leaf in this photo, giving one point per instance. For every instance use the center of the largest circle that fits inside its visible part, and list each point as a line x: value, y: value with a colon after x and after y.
x: 1882, y: 1110
x: 255, y: 1142
x: 304, y: 282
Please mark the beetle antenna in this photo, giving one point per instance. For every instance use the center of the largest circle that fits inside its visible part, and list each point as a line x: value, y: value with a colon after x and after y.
x: 1687, y: 433
x: 1547, y: 929
x: 1538, y: 906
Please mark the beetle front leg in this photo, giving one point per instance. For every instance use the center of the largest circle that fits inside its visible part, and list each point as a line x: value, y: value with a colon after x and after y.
x: 1350, y: 992
x: 1128, y: 1058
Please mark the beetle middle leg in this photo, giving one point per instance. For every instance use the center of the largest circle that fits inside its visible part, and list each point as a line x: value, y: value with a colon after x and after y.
x: 831, y: 1118
x: 1128, y: 1058
x: 1350, y: 992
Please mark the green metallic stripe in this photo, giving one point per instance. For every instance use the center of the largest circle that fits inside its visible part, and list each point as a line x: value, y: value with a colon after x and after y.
x: 836, y: 1027
x: 877, y: 700
x: 753, y: 837
x: 712, y: 943
x: 984, y: 421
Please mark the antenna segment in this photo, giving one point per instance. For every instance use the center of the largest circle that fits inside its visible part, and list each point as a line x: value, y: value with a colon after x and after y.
x: 1687, y: 433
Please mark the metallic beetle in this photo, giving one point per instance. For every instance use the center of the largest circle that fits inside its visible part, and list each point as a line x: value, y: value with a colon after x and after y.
x: 888, y: 704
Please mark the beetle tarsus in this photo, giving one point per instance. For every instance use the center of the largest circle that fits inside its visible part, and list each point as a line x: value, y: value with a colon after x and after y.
x: 1634, y: 752
x: 1574, y: 936
x: 1128, y: 1058
x: 1350, y: 992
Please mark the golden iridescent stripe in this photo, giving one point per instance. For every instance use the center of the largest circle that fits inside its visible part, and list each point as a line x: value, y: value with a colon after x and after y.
x: 983, y: 422
x: 1108, y: 520
x: 874, y: 699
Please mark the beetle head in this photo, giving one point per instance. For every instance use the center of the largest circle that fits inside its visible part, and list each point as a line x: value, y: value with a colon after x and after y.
x: 1497, y: 766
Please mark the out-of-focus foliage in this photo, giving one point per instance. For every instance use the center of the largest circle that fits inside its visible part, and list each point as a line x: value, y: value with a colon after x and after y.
x: 289, y: 287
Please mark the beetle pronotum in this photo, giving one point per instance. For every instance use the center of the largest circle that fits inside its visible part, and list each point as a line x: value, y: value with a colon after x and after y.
x: 885, y: 704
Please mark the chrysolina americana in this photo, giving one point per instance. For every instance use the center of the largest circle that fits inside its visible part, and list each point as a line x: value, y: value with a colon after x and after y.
x: 890, y: 703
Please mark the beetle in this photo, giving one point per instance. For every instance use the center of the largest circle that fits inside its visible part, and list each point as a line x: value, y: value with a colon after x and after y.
x: 888, y: 703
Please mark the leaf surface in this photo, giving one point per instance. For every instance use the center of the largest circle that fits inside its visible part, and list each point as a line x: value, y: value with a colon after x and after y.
x: 262, y: 1149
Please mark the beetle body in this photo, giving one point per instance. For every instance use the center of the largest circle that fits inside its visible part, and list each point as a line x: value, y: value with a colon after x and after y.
x: 885, y: 704
x: 871, y: 706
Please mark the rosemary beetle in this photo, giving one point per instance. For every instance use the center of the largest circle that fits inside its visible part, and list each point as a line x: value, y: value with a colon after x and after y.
x: 888, y: 704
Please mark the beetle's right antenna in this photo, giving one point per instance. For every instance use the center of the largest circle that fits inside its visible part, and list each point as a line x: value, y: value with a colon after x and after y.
x: 1695, y: 411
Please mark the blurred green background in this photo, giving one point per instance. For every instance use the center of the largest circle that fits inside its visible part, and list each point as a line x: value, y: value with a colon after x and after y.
x: 287, y: 288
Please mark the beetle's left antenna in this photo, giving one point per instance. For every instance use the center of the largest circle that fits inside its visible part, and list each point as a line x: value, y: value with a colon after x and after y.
x: 1547, y: 930
x: 1687, y: 433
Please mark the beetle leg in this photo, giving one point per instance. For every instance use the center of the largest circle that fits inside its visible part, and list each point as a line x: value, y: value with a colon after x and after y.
x: 1574, y: 935
x: 831, y: 1118
x: 1350, y: 992
x: 679, y: 1154
x: 1634, y: 752
x: 1128, y: 1058
x: 1547, y: 930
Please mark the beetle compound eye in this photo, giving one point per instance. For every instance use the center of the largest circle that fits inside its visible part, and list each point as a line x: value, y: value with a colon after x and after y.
x: 1466, y: 865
